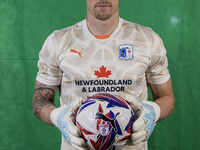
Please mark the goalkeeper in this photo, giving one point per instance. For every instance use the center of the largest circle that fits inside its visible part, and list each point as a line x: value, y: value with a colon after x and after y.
x: 103, y: 47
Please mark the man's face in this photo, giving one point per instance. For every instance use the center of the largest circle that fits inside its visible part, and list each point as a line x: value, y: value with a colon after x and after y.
x: 102, y: 9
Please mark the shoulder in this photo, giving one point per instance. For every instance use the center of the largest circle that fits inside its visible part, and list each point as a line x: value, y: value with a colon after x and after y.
x: 138, y: 29
x: 68, y: 31
x: 65, y: 36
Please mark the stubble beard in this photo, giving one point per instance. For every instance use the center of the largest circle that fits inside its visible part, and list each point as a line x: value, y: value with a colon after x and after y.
x: 102, y: 17
x: 102, y: 14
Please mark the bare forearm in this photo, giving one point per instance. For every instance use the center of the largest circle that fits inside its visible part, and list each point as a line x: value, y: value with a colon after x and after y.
x: 42, y: 110
x: 43, y: 101
x: 164, y: 97
x: 166, y: 104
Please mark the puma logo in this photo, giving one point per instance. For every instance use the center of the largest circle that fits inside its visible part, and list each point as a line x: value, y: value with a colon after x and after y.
x: 105, y: 118
x: 79, y: 53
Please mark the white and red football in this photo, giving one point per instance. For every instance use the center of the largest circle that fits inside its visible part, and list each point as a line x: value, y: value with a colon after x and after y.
x: 105, y: 121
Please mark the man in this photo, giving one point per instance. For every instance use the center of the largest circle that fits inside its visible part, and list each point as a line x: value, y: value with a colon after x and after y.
x: 103, y: 53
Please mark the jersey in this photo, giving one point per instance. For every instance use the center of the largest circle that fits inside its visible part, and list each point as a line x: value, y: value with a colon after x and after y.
x: 130, y: 58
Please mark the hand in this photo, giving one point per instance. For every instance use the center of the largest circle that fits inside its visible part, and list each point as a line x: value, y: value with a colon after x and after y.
x: 64, y: 118
x: 147, y: 114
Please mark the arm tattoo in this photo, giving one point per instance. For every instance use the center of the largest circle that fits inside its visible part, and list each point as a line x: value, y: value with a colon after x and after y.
x: 43, y: 97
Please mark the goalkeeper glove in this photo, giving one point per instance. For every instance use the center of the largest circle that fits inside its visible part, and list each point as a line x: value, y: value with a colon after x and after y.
x: 64, y: 118
x: 147, y: 114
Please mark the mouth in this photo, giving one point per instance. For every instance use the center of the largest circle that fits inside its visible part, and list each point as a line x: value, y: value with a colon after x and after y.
x: 103, y: 5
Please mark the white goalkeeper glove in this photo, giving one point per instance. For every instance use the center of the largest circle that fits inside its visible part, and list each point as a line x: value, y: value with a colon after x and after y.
x: 147, y: 114
x: 64, y: 118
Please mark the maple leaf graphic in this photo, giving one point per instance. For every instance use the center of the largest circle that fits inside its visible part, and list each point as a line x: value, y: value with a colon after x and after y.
x: 102, y: 72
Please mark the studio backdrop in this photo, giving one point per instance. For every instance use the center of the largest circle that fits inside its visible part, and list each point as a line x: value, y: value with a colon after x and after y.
x: 24, y: 26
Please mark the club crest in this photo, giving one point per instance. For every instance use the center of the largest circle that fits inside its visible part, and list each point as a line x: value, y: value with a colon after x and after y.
x: 126, y: 52
x: 104, y: 129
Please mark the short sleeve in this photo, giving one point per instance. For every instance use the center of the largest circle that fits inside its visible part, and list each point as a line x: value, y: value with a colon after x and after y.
x: 49, y: 72
x: 158, y: 73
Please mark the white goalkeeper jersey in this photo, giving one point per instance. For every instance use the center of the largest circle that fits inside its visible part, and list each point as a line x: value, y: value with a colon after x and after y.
x: 125, y: 62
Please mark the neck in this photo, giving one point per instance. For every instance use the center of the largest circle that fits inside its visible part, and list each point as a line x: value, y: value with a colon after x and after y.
x: 99, y: 27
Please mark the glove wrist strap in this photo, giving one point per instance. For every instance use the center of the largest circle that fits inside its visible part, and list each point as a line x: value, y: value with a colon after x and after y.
x: 156, y: 108
x: 53, y: 116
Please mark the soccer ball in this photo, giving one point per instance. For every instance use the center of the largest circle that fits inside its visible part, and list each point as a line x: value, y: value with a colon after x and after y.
x: 105, y: 121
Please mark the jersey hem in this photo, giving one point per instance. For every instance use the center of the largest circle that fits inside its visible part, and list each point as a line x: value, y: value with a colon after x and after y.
x: 45, y: 81
x: 160, y: 81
